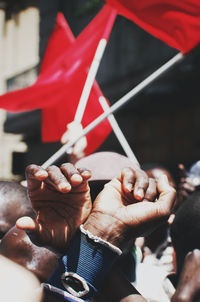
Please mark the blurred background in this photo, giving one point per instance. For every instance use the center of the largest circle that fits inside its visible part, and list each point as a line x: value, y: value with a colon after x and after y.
x: 161, y: 124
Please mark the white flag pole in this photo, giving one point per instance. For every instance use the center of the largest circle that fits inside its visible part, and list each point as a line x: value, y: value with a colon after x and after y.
x: 118, y: 132
x: 115, y: 107
x: 90, y: 80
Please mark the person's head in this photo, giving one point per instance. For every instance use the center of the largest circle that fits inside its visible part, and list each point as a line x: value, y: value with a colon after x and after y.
x: 185, y: 229
x: 104, y: 166
x: 14, y: 203
x: 17, y: 246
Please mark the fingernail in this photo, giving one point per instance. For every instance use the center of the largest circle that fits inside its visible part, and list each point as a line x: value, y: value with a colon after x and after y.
x: 63, y: 186
x: 86, y: 173
x: 76, y: 177
x: 40, y: 173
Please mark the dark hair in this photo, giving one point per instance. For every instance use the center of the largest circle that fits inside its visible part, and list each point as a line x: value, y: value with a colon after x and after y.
x: 185, y: 230
x: 96, y: 186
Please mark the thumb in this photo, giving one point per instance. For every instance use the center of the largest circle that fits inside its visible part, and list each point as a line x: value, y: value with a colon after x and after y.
x: 31, y: 227
x: 167, y: 196
x: 80, y: 146
x: 65, y: 138
x: 27, y: 224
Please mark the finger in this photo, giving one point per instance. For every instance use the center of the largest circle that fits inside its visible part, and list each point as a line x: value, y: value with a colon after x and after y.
x: 73, y: 129
x: 85, y: 173
x: 141, y: 185
x: 57, y: 179
x: 151, y: 191
x: 27, y: 224
x: 35, y: 175
x: 33, y: 229
x: 72, y: 174
x: 167, y: 196
x: 128, y: 179
x: 68, y: 134
x: 65, y: 138
x: 80, y: 146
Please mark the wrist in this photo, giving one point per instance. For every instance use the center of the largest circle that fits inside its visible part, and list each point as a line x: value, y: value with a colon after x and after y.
x: 98, y: 240
x: 106, y: 227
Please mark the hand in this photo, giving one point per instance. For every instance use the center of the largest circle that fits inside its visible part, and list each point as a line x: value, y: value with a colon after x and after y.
x: 74, y: 129
x: 61, y: 200
x: 118, y: 217
x: 188, y: 289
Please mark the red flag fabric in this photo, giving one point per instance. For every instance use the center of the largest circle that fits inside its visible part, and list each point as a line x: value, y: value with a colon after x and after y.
x: 176, y: 22
x: 55, y: 119
x: 61, y: 33
x: 82, y: 51
x: 64, y: 70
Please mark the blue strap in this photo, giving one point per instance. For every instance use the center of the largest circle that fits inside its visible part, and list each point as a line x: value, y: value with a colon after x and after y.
x: 89, y: 260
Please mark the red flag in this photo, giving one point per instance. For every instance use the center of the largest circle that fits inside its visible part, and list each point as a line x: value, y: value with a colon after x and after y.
x: 82, y: 51
x: 59, y: 86
x: 176, y: 22
x: 55, y: 119
x: 61, y: 33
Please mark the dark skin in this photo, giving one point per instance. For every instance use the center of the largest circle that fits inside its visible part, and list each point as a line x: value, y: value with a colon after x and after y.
x: 188, y: 289
x: 61, y: 200
x: 122, y: 211
x: 17, y: 246
x: 64, y: 194
x: 157, y: 237
x: 120, y: 217
x: 74, y: 129
x: 184, y: 189
x: 156, y: 172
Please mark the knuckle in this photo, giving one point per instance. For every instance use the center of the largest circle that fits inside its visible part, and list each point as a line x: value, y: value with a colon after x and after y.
x: 52, y: 168
x: 82, y: 170
x: 151, y: 192
x: 143, y: 175
x: 128, y: 171
x: 31, y: 167
x: 65, y: 165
